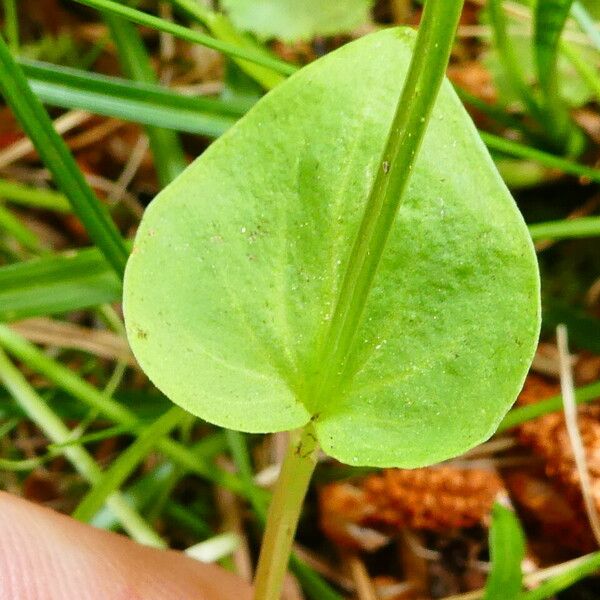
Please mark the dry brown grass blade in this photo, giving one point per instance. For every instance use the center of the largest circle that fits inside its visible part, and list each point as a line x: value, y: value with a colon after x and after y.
x: 24, y: 146
x: 49, y: 332
x: 570, y: 410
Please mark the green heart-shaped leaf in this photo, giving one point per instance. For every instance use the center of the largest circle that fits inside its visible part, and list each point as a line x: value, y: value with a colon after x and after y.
x: 237, y: 267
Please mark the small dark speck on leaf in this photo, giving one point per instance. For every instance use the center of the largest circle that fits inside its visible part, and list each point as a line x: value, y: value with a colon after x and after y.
x: 386, y: 166
x: 141, y: 334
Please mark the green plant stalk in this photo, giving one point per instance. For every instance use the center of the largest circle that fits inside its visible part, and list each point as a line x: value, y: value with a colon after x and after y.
x: 112, y: 479
x: 586, y: 565
x: 425, y: 75
x: 196, y: 37
x: 38, y: 411
x: 566, y: 229
x: 169, y: 159
x: 56, y: 156
x: 284, y: 512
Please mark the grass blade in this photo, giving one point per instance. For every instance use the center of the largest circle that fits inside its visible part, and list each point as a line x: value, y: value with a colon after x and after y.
x: 550, y: 17
x: 521, y: 414
x: 56, y: 284
x: 549, y: 20
x: 34, y: 197
x: 56, y: 156
x: 583, y: 567
x: 20, y: 232
x: 507, y: 550
x: 11, y: 24
x: 112, y: 479
x: 196, y: 37
x: 566, y: 228
x: 500, y: 144
x: 222, y: 28
x: 586, y: 23
x: 38, y: 411
x: 169, y: 159
x: 131, y: 101
x: 509, y: 58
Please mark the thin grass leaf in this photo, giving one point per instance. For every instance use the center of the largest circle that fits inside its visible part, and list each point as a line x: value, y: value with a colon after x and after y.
x: 582, y: 227
x: 196, y: 37
x: 222, y: 28
x: 11, y: 24
x: 33, y: 197
x: 526, y: 413
x: 70, y: 382
x: 96, y: 436
x: 147, y: 104
x: 14, y: 226
x: 169, y: 159
x: 112, y: 479
x: 56, y: 284
x: 586, y: 23
x: 39, y: 412
x: 131, y: 101
x: 507, y: 550
x: 583, y: 567
x: 56, y: 156
x: 550, y: 17
x: 509, y: 58
x: 587, y: 71
x: 510, y: 148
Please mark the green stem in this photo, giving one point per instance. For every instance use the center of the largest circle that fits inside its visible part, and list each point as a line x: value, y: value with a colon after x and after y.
x: 284, y: 512
x: 56, y: 156
x: 425, y: 75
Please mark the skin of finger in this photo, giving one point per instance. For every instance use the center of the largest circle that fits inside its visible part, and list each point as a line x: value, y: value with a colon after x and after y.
x: 48, y: 556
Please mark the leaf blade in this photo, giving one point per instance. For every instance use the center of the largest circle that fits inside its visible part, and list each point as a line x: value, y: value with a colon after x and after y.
x: 507, y: 549
x: 257, y: 281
